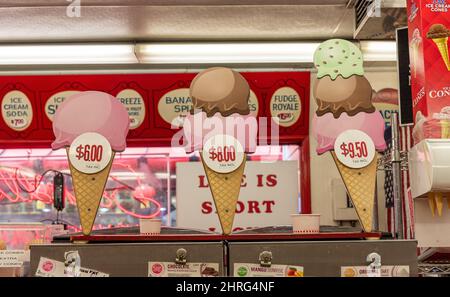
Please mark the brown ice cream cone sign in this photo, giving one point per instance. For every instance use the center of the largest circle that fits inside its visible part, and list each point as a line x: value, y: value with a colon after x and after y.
x: 221, y: 94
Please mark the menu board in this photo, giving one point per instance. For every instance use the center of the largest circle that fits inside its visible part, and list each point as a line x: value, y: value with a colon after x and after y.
x: 156, y: 103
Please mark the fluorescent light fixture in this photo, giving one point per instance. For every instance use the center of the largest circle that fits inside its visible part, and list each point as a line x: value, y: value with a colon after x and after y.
x: 374, y: 51
x: 180, y: 53
x: 38, y: 54
x: 216, y: 53
x: 250, y: 52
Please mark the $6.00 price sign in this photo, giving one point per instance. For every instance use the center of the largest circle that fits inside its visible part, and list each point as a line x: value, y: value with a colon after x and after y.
x: 354, y: 148
x: 223, y: 153
x: 90, y: 153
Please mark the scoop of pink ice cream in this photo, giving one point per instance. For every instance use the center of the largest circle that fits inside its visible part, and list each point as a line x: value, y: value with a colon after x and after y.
x: 326, y: 129
x: 198, y: 128
x: 91, y: 111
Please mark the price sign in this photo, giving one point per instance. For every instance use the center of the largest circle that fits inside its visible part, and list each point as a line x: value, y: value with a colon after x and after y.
x: 223, y: 153
x: 354, y: 148
x: 90, y: 153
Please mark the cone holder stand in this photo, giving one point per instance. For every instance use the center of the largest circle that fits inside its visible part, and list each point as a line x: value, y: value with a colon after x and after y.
x: 395, y: 161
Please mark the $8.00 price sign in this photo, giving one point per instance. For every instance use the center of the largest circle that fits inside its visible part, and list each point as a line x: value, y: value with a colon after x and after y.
x: 223, y: 153
x: 354, y: 148
x: 90, y: 153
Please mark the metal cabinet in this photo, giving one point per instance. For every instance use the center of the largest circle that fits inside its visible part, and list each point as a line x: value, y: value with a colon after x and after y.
x: 130, y: 259
x: 325, y: 258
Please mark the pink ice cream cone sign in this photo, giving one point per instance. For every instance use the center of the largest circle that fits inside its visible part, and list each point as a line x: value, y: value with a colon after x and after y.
x: 92, y: 126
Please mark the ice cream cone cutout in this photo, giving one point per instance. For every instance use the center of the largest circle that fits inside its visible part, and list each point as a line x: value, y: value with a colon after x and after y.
x: 439, y: 202
x: 431, y: 203
x: 225, y: 188
x: 221, y: 128
x: 346, y: 122
x: 439, y: 34
x: 92, y: 126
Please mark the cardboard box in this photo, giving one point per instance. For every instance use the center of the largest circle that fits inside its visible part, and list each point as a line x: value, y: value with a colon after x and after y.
x: 430, y: 66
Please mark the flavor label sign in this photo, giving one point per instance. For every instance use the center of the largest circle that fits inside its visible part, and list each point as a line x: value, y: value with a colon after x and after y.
x: 223, y: 153
x: 135, y: 106
x: 52, y: 268
x: 17, y: 111
x: 90, y: 153
x: 170, y: 269
x: 385, y: 271
x: 285, y: 106
x: 256, y: 270
x: 174, y: 106
x: 354, y: 149
x: 55, y: 100
x: 13, y: 258
x: 253, y: 104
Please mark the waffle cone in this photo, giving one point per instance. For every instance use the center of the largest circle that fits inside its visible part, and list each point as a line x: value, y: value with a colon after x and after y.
x: 442, y: 45
x: 225, y: 188
x: 360, y: 185
x: 88, y: 193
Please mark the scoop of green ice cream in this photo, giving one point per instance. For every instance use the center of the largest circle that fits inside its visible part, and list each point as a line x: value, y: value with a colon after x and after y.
x: 338, y: 57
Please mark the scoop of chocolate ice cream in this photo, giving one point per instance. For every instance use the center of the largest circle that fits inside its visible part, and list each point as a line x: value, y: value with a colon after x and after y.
x: 438, y: 31
x: 351, y: 95
x: 220, y: 89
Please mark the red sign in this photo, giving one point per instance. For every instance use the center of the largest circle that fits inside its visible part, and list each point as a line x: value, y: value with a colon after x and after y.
x: 29, y: 103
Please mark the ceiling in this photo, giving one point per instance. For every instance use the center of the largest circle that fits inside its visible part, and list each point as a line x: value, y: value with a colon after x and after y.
x: 175, y: 20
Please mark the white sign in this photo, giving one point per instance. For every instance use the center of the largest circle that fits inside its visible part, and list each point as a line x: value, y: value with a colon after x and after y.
x: 256, y: 270
x: 134, y: 103
x: 385, y: 271
x: 52, y: 268
x: 223, y: 153
x: 174, y: 106
x: 354, y: 148
x: 286, y: 106
x: 90, y: 153
x: 269, y: 195
x: 17, y: 111
x: 169, y: 269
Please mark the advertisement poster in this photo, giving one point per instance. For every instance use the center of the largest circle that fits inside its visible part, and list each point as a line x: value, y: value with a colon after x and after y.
x: 269, y: 195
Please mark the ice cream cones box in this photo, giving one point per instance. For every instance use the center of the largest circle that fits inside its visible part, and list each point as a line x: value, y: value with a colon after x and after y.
x: 130, y: 259
x: 320, y: 258
x: 428, y: 31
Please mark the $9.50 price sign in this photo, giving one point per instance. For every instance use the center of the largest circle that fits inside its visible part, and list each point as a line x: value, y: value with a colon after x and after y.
x: 223, y: 153
x: 354, y: 148
x: 90, y: 153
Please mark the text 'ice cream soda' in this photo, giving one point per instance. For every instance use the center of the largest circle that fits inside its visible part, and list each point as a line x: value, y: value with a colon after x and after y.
x: 346, y: 123
x: 92, y: 126
x: 221, y: 128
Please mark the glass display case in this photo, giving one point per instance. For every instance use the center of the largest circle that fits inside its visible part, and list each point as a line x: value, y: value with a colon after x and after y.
x: 142, y: 184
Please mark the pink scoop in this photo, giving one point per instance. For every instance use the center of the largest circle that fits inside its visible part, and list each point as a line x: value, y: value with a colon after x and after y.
x: 326, y: 129
x: 91, y: 111
x: 198, y: 128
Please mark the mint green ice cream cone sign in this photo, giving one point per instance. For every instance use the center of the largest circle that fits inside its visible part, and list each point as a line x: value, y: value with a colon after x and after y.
x: 338, y: 57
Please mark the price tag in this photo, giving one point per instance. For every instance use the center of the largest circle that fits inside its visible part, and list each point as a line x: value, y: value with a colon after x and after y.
x: 90, y: 153
x: 354, y: 149
x: 223, y: 153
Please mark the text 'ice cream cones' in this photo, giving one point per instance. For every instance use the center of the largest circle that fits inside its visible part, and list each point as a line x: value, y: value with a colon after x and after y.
x: 439, y: 34
x: 221, y: 128
x: 92, y: 126
x: 346, y: 122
